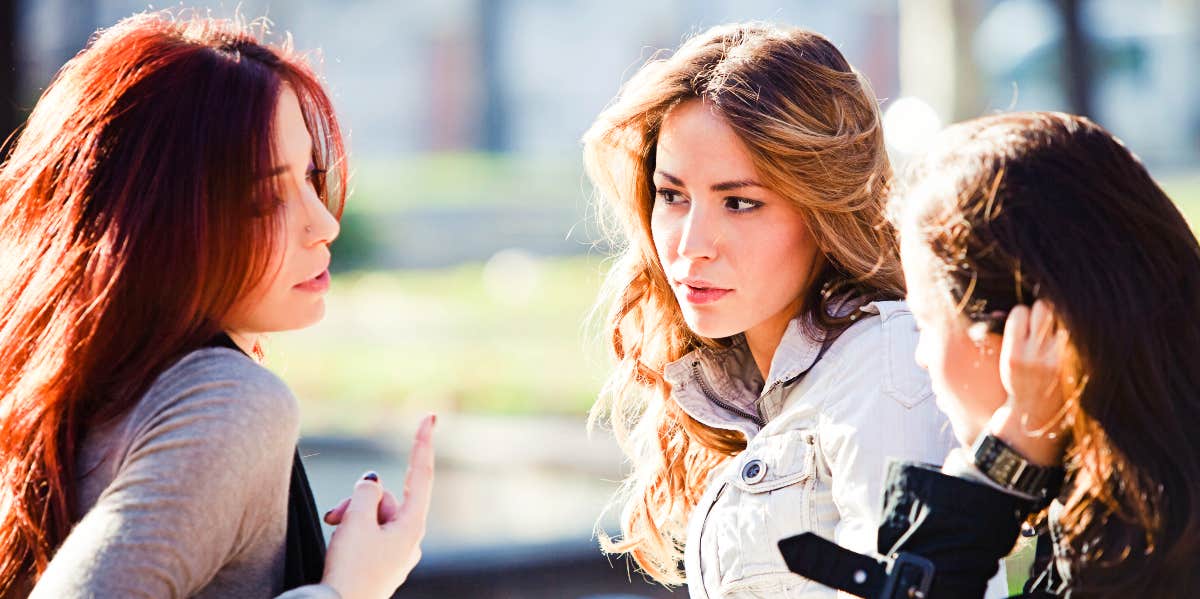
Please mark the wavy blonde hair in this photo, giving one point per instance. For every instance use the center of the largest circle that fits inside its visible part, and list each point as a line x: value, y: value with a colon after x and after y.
x: 812, y: 126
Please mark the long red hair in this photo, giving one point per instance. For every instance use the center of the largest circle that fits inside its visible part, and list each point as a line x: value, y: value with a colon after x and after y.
x: 135, y: 209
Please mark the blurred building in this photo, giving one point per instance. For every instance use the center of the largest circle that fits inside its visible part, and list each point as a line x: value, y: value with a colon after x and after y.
x: 527, y: 76
x: 524, y: 76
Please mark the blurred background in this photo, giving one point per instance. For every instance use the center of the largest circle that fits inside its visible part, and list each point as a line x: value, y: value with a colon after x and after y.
x: 468, y: 260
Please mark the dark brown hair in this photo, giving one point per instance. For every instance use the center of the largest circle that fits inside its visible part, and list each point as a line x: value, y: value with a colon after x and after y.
x: 136, y: 209
x: 1025, y: 206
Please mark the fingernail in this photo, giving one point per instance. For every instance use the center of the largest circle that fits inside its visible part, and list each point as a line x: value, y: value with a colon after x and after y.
x: 432, y: 419
x: 327, y: 515
x: 371, y: 475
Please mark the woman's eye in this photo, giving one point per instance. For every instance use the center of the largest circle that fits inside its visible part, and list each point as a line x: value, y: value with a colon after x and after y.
x: 668, y: 196
x: 315, y: 175
x: 741, y: 204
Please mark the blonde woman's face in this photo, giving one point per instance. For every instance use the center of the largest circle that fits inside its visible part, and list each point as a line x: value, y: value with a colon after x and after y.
x: 737, y: 255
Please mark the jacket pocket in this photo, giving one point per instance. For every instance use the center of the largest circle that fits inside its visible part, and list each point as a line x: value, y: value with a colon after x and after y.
x: 769, y: 498
x: 775, y: 461
x: 903, y: 380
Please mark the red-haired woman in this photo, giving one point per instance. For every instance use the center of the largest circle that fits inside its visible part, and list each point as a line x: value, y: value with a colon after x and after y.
x: 171, y: 199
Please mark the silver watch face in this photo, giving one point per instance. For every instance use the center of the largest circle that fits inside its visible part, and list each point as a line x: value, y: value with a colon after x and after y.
x: 1009, y: 469
x: 1006, y: 468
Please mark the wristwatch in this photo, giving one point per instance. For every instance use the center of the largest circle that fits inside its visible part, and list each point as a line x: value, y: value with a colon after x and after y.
x: 1007, y: 468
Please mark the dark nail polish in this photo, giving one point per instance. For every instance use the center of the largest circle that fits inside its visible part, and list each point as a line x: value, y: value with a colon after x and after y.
x: 371, y: 475
x: 327, y: 514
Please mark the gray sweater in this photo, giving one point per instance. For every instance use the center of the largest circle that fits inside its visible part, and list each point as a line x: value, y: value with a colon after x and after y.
x: 186, y: 494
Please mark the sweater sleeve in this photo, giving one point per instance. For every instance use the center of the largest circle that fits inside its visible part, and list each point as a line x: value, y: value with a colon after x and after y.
x: 201, y: 476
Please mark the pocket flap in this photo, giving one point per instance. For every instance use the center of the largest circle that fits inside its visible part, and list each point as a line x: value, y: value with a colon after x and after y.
x: 775, y: 461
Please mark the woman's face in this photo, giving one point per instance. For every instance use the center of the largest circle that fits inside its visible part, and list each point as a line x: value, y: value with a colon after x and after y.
x: 737, y: 255
x: 291, y: 294
x: 965, y: 372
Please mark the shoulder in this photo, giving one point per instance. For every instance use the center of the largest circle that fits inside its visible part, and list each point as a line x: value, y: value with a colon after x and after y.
x: 222, y: 393
x: 879, y: 351
x: 886, y: 326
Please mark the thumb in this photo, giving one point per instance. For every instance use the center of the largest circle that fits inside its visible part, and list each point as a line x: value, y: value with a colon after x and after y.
x: 364, y: 502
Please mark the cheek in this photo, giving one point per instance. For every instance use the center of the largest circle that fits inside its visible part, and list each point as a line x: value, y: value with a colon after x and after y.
x: 268, y: 304
x: 664, y: 232
x: 780, y: 258
x: 967, y: 368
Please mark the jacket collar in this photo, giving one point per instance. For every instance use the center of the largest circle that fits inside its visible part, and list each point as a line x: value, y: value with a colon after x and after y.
x: 723, y: 388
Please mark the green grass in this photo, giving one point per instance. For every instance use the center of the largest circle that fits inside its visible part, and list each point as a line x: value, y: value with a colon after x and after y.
x: 409, y: 341
x: 1017, y: 564
x: 464, y: 179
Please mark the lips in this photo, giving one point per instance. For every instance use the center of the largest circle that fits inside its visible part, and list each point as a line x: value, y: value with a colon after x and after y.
x: 317, y: 284
x: 699, y: 292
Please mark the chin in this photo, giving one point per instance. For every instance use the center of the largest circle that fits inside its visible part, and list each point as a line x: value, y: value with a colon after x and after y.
x: 315, y: 315
x: 707, y: 326
x: 299, y: 319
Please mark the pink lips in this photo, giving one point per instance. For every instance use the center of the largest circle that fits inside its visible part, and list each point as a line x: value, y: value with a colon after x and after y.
x: 699, y: 292
x: 317, y: 284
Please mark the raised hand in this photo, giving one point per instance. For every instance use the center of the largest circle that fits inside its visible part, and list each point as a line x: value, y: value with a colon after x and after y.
x: 377, y: 541
x: 1031, y: 370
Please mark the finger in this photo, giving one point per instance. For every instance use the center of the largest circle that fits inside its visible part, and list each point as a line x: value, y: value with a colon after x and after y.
x: 418, y: 486
x: 334, y: 516
x: 364, y: 502
x: 1041, y: 322
x: 389, y: 507
x: 1016, y: 331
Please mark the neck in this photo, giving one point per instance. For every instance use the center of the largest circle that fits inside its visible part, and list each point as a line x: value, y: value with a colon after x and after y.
x: 763, y: 339
x: 245, y: 341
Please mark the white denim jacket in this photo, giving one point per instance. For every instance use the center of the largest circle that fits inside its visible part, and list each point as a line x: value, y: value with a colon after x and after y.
x: 820, y: 433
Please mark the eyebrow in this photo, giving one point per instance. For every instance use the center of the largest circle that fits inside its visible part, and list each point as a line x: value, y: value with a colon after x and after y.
x: 723, y: 186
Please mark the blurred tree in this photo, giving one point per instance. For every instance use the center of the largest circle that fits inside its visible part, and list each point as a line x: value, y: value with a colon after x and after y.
x: 495, y: 112
x: 357, y: 246
x: 1077, y: 66
x: 936, y: 62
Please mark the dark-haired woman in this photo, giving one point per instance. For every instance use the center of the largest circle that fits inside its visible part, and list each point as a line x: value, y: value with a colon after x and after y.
x: 1054, y: 283
x: 171, y: 199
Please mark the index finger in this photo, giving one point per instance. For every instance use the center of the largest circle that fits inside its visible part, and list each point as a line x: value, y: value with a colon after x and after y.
x: 418, y: 485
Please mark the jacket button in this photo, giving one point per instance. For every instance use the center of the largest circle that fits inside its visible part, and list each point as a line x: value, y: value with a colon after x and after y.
x: 754, y: 471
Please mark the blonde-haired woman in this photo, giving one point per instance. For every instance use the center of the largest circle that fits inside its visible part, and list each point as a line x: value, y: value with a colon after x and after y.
x: 765, y: 363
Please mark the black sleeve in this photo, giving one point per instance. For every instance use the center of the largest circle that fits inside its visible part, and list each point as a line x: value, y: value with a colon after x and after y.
x: 962, y: 526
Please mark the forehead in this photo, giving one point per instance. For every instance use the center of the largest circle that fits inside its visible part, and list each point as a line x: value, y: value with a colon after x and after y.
x: 695, y: 140
x: 290, y: 131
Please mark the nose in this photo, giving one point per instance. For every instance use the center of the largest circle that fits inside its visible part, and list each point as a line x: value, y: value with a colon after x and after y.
x: 321, y: 225
x: 700, y: 235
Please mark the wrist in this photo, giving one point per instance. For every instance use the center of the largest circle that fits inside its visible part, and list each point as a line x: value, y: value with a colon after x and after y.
x: 1044, y: 449
x: 340, y: 587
